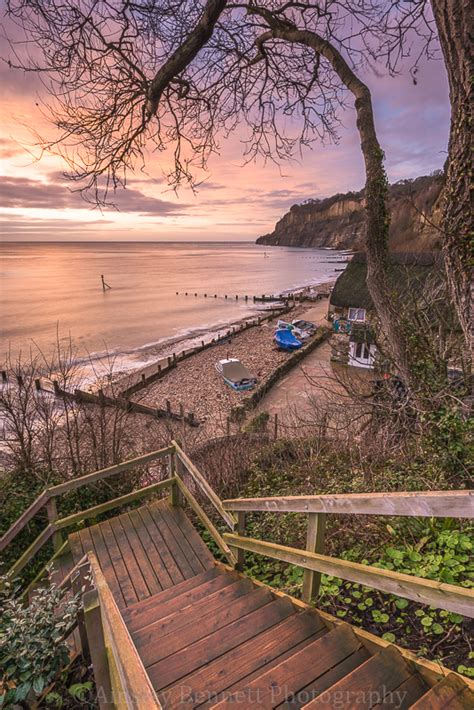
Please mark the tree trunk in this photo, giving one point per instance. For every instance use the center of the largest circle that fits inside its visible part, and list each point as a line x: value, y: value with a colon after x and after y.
x: 376, y: 188
x: 453, y: 19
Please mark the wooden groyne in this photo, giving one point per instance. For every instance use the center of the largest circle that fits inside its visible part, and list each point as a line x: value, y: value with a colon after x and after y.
x: 136, y: 381
x: 101, y: 399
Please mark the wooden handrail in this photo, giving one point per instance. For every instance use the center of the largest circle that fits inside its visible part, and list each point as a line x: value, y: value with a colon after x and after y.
x: 74, y: 483
x: 130, y: 683
x: 439, y: 504
x: 423, y: 591
x: 113, y: 503
x: 221, y: 544
x: 199, y: 479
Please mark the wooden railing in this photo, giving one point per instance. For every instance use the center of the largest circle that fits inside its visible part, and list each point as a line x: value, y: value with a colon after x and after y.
x: 120, y: 675
x: 47, y: 500
x: 452, y: 504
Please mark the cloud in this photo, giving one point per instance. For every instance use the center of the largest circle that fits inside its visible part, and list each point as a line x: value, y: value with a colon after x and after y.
x: 25, y: 193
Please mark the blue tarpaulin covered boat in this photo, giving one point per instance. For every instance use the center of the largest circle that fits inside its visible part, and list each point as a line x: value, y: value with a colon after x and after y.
x: 285, y: 340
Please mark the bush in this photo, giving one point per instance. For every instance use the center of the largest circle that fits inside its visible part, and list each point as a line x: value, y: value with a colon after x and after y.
x: 33, y: 649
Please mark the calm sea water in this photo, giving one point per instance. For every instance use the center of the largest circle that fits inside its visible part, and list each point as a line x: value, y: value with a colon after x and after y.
x: 56, y: 287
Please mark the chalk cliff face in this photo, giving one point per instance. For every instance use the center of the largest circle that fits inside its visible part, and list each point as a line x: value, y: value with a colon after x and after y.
x: 339, y: 221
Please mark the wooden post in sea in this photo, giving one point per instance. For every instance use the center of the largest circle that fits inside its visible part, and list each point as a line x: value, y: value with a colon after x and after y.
x: 104, y: 285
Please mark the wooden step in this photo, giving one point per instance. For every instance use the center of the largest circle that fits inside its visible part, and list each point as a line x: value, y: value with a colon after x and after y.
x: 368, y: 685
x: 207, y: 624
x: 301, y: 676
x: 196, y: 662
x: 144, y: 551
x: 405, y: 695
x: 139, y: 615
x: 148, y: 639
x: 451, y: 693
x: 231, y: 656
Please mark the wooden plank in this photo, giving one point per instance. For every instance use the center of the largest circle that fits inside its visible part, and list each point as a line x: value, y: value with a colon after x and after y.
x: 326, y: 680
x: 180, y: 672
x: 284, y: 680
x: 148, y: 639
x: 160, y: 545
x: 405, y: 695
x: 449, y: 694
x: 367, y: 685
x: 170, y: 595
x: 132, y: 564
x: 111, y: 504
x: 211, y: 622
x: 199, y: 546
x: 143, y: 613
x: 438, y: 504
x: 136, y: 688
x: 199, y: 479
x: 141, y: 555
x: 314, y: 543
x: 129, y: 594
x: 24, y: 518
x: 152, y: 553
x: 172, y: 544
x: 168, y: 516
x: 217, y: 537
x: 106, y: 564
x: 231, y: 657
x: 423, y: 591
x: 107, y: 472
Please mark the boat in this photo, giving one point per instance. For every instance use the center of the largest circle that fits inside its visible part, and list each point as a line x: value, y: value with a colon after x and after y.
x: 236, y: 375
x: 300, y: 333
x: 285, y: 340
x: 306, y: 326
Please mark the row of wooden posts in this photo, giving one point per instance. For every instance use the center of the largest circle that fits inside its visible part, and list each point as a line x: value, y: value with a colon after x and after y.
x: 256, y: 299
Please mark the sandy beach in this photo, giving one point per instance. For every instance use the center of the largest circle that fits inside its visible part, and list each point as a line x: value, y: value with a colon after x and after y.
x: 196, y: 385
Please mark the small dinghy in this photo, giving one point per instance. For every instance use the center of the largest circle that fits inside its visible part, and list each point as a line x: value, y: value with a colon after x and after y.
x: 236, y: 375
x: 285, y: 340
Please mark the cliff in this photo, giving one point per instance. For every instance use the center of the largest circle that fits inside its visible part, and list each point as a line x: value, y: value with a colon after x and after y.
x: 339, y: 221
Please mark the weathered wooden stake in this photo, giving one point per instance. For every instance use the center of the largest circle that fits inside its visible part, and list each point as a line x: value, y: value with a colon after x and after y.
x: 38, y: 384
x: 168, y: 406
x: 314, y: 543
x: 275, y: 427
x: 227, y: 427
x: 52, y: 512
x: 240, y: 531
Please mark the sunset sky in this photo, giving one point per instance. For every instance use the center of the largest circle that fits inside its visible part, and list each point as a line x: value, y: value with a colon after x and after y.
x: 235, y: 201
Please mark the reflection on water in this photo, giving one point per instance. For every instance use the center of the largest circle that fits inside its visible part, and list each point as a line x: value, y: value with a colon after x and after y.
x: 50, y: 287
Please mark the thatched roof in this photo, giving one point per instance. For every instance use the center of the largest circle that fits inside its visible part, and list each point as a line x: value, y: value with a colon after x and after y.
x: 408, y: 270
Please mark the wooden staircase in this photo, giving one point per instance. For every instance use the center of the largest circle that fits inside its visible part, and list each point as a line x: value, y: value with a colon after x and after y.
x: 208, y: 637
x: 168, y: 626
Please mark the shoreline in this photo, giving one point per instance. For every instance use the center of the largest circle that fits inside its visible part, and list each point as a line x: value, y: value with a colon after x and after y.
x: 132, y: 361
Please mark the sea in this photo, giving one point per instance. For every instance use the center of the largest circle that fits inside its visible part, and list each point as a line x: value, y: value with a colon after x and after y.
x: 52, y: 292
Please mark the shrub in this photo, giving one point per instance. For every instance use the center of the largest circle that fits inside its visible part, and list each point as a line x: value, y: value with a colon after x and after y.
x: 33, y: 649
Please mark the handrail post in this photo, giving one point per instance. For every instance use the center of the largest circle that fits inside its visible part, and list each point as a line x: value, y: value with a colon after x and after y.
x: 97, y: 648
x: 52, y: 511
x: 175, y: 497
x: 314, y: 543
x: 240, y: 531
x: 80, y: 584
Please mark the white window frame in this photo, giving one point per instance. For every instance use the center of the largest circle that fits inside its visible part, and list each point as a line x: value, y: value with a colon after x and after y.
x: 359, y: 315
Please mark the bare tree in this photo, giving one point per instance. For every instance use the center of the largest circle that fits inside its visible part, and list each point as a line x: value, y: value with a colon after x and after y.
x: 128, y: 77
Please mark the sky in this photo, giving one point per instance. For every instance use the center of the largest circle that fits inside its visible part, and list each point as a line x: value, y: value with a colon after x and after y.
x: 235, y: 201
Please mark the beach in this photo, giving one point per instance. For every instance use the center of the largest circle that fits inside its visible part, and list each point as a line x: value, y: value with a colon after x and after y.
x: 194, y: 385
